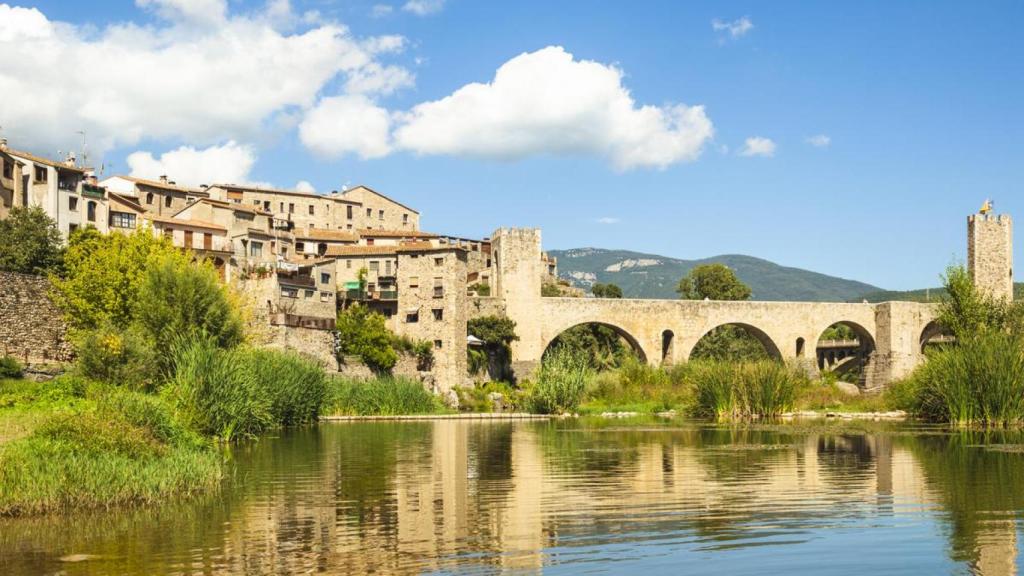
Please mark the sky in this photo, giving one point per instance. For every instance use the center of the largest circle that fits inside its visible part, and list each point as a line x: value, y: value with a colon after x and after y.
x: 849, y: 138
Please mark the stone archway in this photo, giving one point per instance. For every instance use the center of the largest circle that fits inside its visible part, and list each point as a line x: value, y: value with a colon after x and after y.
x: 770, y: 348
x: 844, y: 347
x: 667, y: 346
x: 632, y: 341
x: 934, y: 334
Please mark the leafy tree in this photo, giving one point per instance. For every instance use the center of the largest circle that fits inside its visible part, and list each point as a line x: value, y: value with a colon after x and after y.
x: 363, y: 333
x: 965, y: 312
x: 30, y: 242
x: 732, y: 343
x: 550, y: 290
x: 712, y: 282
x: 601, y: 345
x: 606, y: 290
x: 497, y: 333
x: 105, y: 274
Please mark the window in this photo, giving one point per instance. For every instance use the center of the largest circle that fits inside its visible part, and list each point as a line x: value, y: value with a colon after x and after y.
x: 289, y: 292
x: 325, y: 277
x: 282, y: 207
x: 374, y: 266
x: 438, y: 344
x: 405, y: 218
x: 256, y: 249
x: 291, y: 207
x: 311, y: 225
x: 266, y: 205
x: 72, y: 228
x: 369, y: 241
x: 380, y: 216
x: 387, y: 267
x: 122, y: 220
x: 311, y: 212
x: 8, y: 168
x: 412, y: 317
x: 369, y: 212
x: 310, y: 293
x: 90, y: 211
x: 149, y: 197
x: 207, y: 241
x: 300, y: 246
x: 348, y: 212
x: 256, y: 202
x: 40, y: 174
x: 371, y: 287
x: 169, y: 233
x: 348, y: 227
x: 438, y: 314
x: 439, y: 261
x: 325, y: 296
x: 438, y: 288
x: 188, y: 239
x: 72, y: 203
x: 167, y: 201
x: 348, y: 264
x: 414, y: 282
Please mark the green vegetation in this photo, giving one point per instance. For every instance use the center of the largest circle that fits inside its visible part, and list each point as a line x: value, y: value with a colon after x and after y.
x: 712, y: 282
x: 735, y: 343
x: 30, y: 242
x: 561, y: 381
x: 602, y: 345
x: 550, y: 290
x: 9, y: 367
x: 728, y: 391
x: 606, y: 290
x: 494, y: 355
x: 383, y: 396
x: 362, y: 333
x: 481, y: 288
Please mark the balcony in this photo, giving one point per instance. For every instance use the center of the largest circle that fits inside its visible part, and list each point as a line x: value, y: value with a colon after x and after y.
x: 93, y: 191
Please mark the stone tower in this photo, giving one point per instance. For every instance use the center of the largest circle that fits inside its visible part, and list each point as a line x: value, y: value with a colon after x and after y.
x: 517, y: 281
x: 990, y: 254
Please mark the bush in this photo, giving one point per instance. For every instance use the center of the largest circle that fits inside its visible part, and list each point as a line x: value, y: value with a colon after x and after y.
x: 727, y: 391
x: 561, y: 381
x: 978, y: 382
x: 476, y: 399
x: 716, y: 386
x: 119, y: 357
x: 385, y: 396
x: 638, y: 386
x: 215, y: 393
x: 362, y: 333
x: 10, y: 367
x: 295, y: 385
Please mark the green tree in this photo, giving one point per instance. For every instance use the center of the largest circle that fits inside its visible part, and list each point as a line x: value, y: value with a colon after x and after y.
x: 363, y: 333
x: 606, y: 290
x: 601, y: 345
x: 30, y: 242
x: 550, y: 290
x: 104, y: 275
x: 712, y: 282
x: 497, y: 333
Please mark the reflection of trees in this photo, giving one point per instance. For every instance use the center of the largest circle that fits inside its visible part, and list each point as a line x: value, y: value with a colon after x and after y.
x: 847, y: 461
x: 980, y: 486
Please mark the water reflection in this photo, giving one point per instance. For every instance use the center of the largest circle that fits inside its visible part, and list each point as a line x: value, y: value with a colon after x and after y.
x: 565, y: 497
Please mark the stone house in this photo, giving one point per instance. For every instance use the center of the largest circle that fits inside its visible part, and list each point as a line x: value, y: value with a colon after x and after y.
x: 382, y: 237
x: 306, y: 294
x: 378, y: 290
x: 205, y: 239
x: 124, y: 214
x: 162, y: 197
x: 377, y: 211
x: 315, y: 242
x: 57, y: 188
x: 292, y: 210
x: 255, y: 243
x: 11, y: 191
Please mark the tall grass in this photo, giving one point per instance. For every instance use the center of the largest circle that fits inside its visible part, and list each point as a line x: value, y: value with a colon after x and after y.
x: 384, y: 396
x: 638, y: 386
x: 561, y: 381
x: 726, y: 390
x: 296, y: 386
x: 978, y: 382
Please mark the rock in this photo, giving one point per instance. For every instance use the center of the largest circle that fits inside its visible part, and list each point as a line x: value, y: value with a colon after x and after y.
x: 451, y: 399
x: 497, y: 400
x: 848, y: 389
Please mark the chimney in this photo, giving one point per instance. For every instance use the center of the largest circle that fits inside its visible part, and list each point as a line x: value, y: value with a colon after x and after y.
x: 203, y: 186
x: 163, y: 178
x: 3, y: 143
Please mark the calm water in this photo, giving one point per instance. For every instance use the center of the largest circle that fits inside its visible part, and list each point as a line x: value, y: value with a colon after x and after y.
x: 566, y: 498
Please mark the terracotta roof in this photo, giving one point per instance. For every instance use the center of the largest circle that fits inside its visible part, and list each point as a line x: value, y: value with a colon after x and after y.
x: 373, y: 233
x: 388, y: 198
x: 241, y: 188
x: 130, y: 202
x: 163, y: 185
x: 184, y: 222
x: 325, y: 234
x: 426, y: 247
x: 310, y: 262
x: 40, y: 160
x: 232, y: 205
x: 362, y: 250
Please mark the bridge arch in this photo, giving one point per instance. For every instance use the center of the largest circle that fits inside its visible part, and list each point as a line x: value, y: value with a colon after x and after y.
x: 630, y: 339
x: 766, y: 341
x: 934, y: 334
x: 847, y: 348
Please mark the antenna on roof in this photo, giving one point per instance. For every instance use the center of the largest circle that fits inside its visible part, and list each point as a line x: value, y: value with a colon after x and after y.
x: 85, y: 149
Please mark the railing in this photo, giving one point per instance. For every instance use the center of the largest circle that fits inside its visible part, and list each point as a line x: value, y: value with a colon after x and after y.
x: 388, y: 295
x: 299, y: 321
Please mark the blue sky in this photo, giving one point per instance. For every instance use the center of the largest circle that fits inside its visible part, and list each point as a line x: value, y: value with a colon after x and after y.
x: 921, y: 104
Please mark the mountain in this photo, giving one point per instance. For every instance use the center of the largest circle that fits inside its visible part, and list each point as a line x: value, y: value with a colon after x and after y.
x: 924, y: 294
x: 652, y: 276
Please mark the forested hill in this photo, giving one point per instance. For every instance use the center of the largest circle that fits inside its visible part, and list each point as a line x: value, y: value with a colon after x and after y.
x: 652, y: 276
x: 923, y: 295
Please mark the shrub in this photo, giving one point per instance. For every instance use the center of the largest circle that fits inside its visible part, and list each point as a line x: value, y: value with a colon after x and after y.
x: 295, y: 385
x: 215, y: 392
x: 10, y: 367
x: 385, y: 396
x: 716, y: 394
x: 726, y: 390
x: 421, y: 349
x: 476, y: 398
x: 561, y: 381
x: 30, y: 242
x: 362, y: 333
x: 637, y: 385
x: 115, y: 356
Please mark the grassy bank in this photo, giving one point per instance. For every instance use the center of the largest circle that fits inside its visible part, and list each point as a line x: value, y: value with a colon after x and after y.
x: 382, y: 396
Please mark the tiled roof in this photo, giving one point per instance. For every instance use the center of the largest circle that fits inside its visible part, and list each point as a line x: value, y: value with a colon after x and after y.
x: 127, y: 201
x: 40, y: 160
x: 234, y: 206
x: 164, y: 185
x: 324, y: 234
x: 362, y: 250
x: 425, y: 247
x: 374, y: 233
x: 185, y: 222
x: 241, y: 188
x: 388, y: 198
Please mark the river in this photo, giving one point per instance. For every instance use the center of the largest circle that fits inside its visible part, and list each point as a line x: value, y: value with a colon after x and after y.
x: 568, y: 497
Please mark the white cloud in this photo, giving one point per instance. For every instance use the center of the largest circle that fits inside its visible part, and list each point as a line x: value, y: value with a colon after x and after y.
x: 547, y: 102
x: 381, y: 10
x: 607, y: 220
x: 735, y: 28
x: 819, y: 141
x: 227, y: 163
x: 199, y: 75
x: 347, y: 125
x: 304, y: 186
x: 758, y: 146
x: 423, y: 7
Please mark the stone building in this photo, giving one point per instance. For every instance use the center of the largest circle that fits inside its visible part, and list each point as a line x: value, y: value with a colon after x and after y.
x: 990, y: 254
x: 377, y: 211
x: 56, y: 187
x: 162, y: 197
x: 11, y: 191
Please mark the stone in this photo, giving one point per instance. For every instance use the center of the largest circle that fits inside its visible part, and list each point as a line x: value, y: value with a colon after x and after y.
x: 848, y: 388
x: 498, y: 403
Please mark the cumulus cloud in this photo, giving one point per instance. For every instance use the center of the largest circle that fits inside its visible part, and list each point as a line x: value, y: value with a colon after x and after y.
x: 423, y: 7
x: 350, y: 124
x: 758, y: 146
x: 227, y: 163
x: 305, y: 186
x: 734, y: 28
x: 819, y: 141
x: 548, y: 102
x: 200, y: 74
x: 607, y: 220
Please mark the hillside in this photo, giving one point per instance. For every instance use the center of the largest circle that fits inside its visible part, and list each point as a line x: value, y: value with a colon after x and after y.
x: 652, y: 276
x: 923, y: 295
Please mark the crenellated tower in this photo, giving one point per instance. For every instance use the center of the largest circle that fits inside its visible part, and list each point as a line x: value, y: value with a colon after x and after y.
x: 990, y: 254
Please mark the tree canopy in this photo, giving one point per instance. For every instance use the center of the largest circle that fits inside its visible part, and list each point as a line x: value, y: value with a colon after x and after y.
x: 712, y: 282
x: 30, y: 242
x: 606, y: 290
x: 362, y: 332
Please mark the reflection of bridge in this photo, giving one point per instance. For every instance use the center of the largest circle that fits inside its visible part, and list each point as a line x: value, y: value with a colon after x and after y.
x: 890, y: 336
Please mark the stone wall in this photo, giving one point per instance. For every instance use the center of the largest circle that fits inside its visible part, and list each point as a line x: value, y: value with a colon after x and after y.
x: 32, y: 329
x: 990, y: 254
